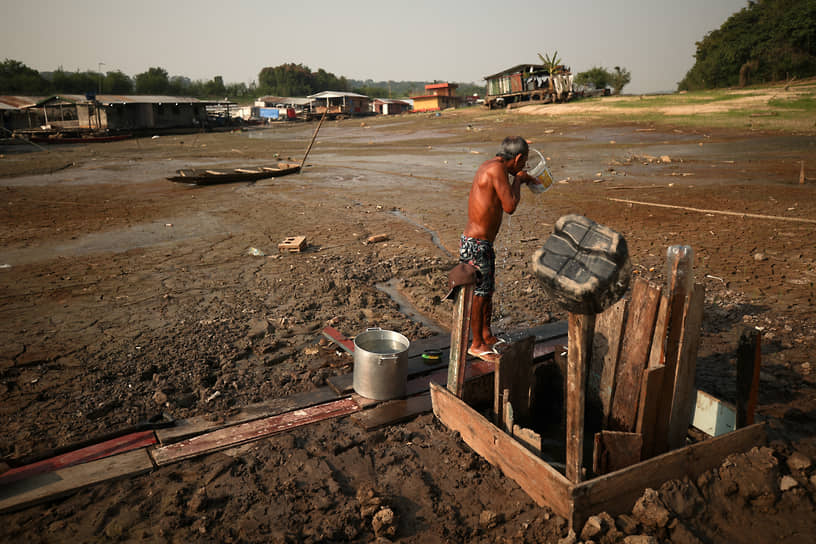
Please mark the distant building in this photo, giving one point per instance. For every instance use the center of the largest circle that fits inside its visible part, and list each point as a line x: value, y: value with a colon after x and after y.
x: 438, y: 96
x: 388, y: 106
x: 528, y: 82
x: 339, y: 104
x: 279, y: 107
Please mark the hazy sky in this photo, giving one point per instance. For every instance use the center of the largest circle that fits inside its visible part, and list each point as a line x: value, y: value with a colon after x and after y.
x: 420, y: 40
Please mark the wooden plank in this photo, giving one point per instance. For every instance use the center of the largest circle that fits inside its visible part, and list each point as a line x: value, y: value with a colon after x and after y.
x: 253, y: 430
x: 545, y: 485
x: 617, y: 491
x: 615, y: 450
x: 459, y: 338
x: 605, y: 354
x: 64, y: 481
x: 650, y: 392
x: 634, y: 355
x: 684, y: 393
x: 680, y: 282
x: 337, y: 337
x: 513, y: 374
x: 657, y: 357
x: 187, y: 428
x: 528, y: 437
x: 713, y: 416
x: 581, y: 329
x: 749, y: 361
x: 391, y: 412
x: 104, y: 449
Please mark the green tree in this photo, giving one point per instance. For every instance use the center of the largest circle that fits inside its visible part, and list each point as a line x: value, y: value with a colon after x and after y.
x: 17, y: 78
x: 551, y: 63
x: 75, y: 82
x: 768, y: 40
x: 619, y: 79
x: 215, y: 87
x: 117, y: 82
x: 154, y: 81
x: 596, y: 76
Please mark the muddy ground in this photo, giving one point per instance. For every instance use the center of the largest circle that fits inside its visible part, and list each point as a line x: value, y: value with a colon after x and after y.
x: 126, y: 298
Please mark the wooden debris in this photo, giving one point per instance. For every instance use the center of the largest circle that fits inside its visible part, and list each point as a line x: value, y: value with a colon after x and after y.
x: 293, y: 244
x: 513, y: 374
x: 395, y: 411
x: 528, y: 437
x: 459, y: 338
x: 507, y: 412
x: 650, y: 392
x: 605, y: 354
x: 376, y: 238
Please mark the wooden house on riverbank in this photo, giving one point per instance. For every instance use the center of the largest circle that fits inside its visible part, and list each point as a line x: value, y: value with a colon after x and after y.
x: 438, y: 96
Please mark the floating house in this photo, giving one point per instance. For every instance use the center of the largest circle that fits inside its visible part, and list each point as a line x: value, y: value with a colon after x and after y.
x: 339, y: 104
x: 528, y: 82
x: 388, y: 106
x: 438, y: 96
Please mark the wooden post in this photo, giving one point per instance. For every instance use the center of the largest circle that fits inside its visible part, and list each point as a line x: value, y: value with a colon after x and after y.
x: 459, y: 339
x: 749, y: 359
x: 579, y: 354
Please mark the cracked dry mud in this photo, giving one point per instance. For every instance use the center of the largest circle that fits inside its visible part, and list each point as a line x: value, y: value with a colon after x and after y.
x: 127, y: 298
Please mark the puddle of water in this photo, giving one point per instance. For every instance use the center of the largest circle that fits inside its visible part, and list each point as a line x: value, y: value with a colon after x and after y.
x: 434, y: 236
x: 391, y: 288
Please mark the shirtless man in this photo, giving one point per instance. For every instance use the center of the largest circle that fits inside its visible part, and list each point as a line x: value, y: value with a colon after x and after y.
x: 491, y: 195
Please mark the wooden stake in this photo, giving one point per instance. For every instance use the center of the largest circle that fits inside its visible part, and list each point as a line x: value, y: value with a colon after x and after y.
x: 320, y: 124
x: 579, y: 354
x: 459, y: 339
x: 749, y: 361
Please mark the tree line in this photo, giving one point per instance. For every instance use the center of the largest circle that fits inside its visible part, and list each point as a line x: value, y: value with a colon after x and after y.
x: 766, y: 41
x: 284, y: 80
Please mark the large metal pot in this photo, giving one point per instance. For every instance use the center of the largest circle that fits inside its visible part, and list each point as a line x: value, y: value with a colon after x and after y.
x: 380, y: 364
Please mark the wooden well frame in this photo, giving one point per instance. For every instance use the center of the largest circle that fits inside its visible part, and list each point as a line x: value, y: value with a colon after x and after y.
x: 614, y: 492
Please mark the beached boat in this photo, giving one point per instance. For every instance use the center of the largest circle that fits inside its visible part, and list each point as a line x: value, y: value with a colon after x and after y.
x: 232, y: 175
x: 86, y: 139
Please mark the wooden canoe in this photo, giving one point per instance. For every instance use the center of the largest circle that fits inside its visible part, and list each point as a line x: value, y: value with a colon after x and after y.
x: 232, y: 175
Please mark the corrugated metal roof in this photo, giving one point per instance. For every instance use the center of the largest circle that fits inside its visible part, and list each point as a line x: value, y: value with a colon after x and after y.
x: 518, y: 68
x: 284, y: 100
x: 336, y: 94
x: 441, y: 86
x: 17, y: 102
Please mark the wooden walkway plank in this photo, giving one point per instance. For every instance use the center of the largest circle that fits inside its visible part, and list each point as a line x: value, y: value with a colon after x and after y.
x: 108, y: 448
x: 391, y: 412
x: 253, y: 430
x: 634, y: 357
x: 193, y: 426
x: 64, y: 481
x: 683, y: 396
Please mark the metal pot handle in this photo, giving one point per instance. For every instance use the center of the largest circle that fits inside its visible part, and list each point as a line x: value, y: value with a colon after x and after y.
x: 373, y: 329
x: 387, y: 357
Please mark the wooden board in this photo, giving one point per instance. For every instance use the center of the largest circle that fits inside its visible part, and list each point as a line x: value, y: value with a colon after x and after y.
x: 337, y: 337
x: 657, y: 356
x: 545, y: 485
x: 253, y: 430
x: 615, y: 450
x: 617, y: 491
x: 513, y: 373
x: 187, y: 428
x: 637, y: 342
x: 683, y: 396
x: 650, y: 392
x: 64, y: 481
x: 459, y: 339
x: 107, y: 448
x: 605, y: 353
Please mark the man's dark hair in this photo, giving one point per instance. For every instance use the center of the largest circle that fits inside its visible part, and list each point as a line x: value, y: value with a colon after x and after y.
x: 512, y: 146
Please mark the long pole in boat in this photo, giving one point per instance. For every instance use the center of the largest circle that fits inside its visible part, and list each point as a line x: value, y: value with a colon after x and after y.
x: 303, y: 162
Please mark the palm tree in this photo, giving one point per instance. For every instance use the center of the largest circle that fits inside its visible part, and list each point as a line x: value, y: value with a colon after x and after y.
x: 550, y: 63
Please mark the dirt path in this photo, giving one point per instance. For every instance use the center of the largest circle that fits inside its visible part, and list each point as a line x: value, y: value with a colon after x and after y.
x: 126, y: 298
